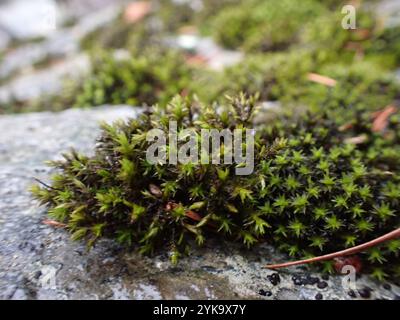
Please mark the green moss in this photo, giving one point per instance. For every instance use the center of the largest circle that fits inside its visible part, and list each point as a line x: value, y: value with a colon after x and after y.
x: 264, y: 25
x: 283, y: 77
x: 311, y: 192
x: 154, y: 76
x: 121, y: 35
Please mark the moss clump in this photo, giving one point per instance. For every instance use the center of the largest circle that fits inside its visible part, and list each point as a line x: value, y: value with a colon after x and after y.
x: 264, y: 25
x: 311, y: 192
x: 151, y: 77
x: 284, y: 77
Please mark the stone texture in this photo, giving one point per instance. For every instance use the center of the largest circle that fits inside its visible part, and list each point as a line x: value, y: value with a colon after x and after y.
x: 48, y: 81
x: 389, y: 11
x: 61, y: 43
x: 40, y: 262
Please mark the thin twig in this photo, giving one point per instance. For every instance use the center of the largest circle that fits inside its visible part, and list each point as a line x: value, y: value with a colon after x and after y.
x: 45, y: 184
x: 389, y: 236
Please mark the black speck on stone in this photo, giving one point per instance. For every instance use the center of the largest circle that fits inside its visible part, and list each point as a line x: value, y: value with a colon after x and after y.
x: 387, y: 286
x: 311, y: 280
x: 319, y: 296
x: 264, y: 293
x: 274, y: 279
x: 37, y: 274
x: 208, y: 268
x: 325, y: 277
x: 297, y: 280
x: 352, y: 294
x: 322, y: 285
x: 365, y: 293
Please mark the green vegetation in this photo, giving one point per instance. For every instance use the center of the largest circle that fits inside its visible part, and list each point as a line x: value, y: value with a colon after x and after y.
x: 324, y: 178
x: 312, y: 190
x: 152, y: 77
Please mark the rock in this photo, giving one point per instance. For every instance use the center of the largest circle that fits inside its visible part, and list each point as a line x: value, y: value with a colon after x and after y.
x: 26, y: 19
x: 44, y: 82
x: 5, y: 40
x: 60, y: 44
x: 389, y: 11
x: 207, y: 51
x: 40, y: 262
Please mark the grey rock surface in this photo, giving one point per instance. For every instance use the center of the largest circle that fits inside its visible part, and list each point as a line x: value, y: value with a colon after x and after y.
x: 5, y: 40
x: 389, y: 11
x: 40, y: 262
x: 32, y: 85
x: 63, y: 42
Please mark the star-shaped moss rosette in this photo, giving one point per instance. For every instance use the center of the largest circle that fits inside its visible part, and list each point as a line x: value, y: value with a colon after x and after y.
x: 315, y: 188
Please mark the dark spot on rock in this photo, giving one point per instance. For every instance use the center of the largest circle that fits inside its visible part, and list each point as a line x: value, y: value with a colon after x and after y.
x: 264, y: 293
x: 37, y: 274
x: 387, y: 286
x: 274, y: 279
x: 365, y: 293
x: 325, y: 277
x: 311, y: 280
x: 209, y: 268
x: 322, y: 285
x: 352, y: 294
x: 298, y: 281
x: 179, y: 269
x: 319, y: 296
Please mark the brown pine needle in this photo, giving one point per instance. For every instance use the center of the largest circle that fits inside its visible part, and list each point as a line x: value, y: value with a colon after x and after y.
x: 381, y: 118
x: 329, y: 82
x: 55, y: 224
x: 389, y: 236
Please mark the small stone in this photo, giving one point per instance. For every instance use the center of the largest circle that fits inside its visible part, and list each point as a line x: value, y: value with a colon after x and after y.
x: 319, y: 296
x: 274, y: 279
x: 297, y: 280
x: 322, y: 285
